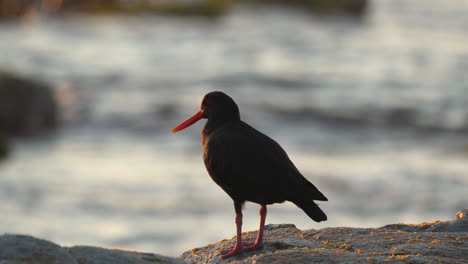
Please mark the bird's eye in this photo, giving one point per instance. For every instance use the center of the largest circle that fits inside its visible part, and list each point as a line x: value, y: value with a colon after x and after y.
x: 208, y: 101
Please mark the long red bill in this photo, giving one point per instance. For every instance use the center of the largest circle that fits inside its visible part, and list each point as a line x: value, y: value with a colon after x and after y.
x: 188, y: 122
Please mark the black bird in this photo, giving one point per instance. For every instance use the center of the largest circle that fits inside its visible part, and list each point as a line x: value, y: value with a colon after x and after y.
x: 249, y: 166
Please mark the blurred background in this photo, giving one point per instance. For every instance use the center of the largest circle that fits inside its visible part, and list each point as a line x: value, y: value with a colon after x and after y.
x: 369, y: 98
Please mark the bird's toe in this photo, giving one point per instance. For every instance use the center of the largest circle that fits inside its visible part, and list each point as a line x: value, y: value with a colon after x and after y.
x: 230, y: 252
x: 252, y: 246
x: 226, y: 251
x: 247, y: 244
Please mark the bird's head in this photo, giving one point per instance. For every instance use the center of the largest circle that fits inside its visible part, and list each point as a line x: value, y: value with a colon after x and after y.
x: 215, y: 106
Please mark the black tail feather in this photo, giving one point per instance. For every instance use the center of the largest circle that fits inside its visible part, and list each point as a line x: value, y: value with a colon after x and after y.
x: 312, y: 210
x: 313, y: 191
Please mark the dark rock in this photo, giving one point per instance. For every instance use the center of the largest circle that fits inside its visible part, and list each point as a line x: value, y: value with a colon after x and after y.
x: 27, y: 106
x: 27, y: 249
x: 14, y: 8
x: 438, y: 242
x: 355, y: 7
x: 4, y: 149
x: 209, y: 8
x: 96, y: 255
x: 19, y: 8
x: 19, y: 249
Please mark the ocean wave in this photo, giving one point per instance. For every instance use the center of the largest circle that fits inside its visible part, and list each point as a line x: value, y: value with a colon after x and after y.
x: 397, y: 117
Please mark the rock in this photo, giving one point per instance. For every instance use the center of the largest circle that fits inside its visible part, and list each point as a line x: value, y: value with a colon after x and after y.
x: 96, y: 255
x: 14, y: 9
x: 4, y: 149
x: 458, y: 225
x: 10, y: 8
x: 354, y: 7
x: 209, y: 8
x: 438, y: 242
x: 27, y: 249
x: 27, y: 106
x: 20, y: 249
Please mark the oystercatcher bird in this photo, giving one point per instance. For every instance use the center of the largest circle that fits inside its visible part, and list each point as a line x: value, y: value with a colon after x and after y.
x: 249, y: 166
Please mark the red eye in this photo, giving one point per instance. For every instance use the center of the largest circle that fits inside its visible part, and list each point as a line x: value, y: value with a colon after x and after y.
x: 208, y: 101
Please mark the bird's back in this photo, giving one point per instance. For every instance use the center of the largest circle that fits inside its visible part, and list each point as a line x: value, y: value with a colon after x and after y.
x: 250, y: 166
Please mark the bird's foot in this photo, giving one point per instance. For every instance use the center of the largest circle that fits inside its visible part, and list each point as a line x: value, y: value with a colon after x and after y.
x: 226, y: 253
x: 252, y: 245
x: 247, y: 245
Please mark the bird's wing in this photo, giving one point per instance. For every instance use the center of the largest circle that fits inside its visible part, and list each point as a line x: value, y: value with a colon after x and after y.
x: 257, y: 162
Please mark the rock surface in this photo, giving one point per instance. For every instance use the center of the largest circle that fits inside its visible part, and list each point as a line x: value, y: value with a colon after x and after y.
x: 20, y: 249
x: 437, y: 242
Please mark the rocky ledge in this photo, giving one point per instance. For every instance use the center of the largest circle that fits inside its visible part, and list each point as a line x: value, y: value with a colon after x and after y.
x: 436, y: 242
x: 20, y: 249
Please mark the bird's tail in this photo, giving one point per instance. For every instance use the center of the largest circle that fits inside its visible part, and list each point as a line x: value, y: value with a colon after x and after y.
x: 312, y: 210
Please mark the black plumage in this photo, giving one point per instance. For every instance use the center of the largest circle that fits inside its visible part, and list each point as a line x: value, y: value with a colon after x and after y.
x: 250, y: 166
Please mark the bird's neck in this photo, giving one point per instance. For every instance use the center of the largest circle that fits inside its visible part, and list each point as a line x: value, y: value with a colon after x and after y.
x: 215, y: 123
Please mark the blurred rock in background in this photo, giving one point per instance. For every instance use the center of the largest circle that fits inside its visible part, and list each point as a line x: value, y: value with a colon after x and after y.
x: 3, y: 147
x: 13, y: 8
x: 27, y: 106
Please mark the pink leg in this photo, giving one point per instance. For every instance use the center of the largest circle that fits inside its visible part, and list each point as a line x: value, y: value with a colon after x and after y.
x: 259, y: 240
x: 239, y: 246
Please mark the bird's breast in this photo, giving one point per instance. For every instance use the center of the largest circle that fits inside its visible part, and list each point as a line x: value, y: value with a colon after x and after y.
x: 219, y: 160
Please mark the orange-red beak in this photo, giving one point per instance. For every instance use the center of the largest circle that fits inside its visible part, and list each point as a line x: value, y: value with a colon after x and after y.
x: 188, y: 122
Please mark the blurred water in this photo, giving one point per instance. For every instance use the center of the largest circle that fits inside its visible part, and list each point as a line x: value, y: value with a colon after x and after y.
x: 373, y: 111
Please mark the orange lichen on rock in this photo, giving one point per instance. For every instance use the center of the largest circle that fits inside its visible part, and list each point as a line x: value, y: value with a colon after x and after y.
x: 321, y: 248
x: 403, y: 257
